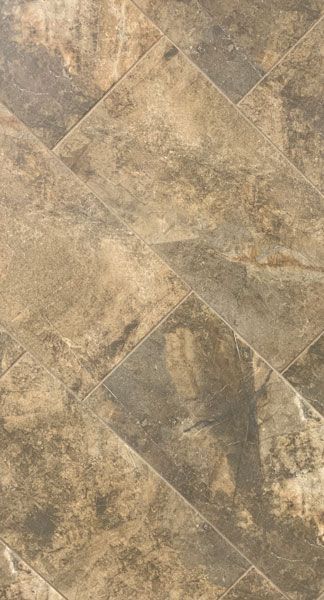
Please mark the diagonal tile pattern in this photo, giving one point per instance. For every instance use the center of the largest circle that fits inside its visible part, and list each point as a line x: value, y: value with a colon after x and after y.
x: 147, y: 450
x: 198, y: 183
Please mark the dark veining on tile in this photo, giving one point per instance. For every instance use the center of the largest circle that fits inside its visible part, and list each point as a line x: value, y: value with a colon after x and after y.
x: 195, y: 180
x: 58, y: 58
x: 306, y: 374
x: 77, y: 289
x: 199, y: 35
x: 253, y: 587
x: 87, y: 513
x: 235, y: 440
x: 9, y: 351
x: 288, y: 106
x: 19, y: 582
x: 265, y: 29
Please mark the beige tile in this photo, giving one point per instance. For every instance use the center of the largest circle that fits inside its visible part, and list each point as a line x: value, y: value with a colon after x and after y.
x: 78, y: 289
x: 87, y: 513
x: 10, y: 351
x: 288, y: 106
x: 253, y: 587
x: 58, y: 58
x: 201, y: 185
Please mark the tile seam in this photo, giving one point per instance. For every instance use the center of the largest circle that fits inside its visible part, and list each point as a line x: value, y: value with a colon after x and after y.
x: 15, y: 361
x: 304, y: 351
x: 236, y: 582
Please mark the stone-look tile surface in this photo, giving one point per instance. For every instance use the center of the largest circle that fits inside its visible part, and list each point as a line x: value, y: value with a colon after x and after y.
x: 231, y: 436
x: 253, y: 587
x: 58, y: 58
x: 233, y: 41
x: 19, y: 582
x: 288, y: 105
x: 265, y: 30
x: 10, y: 351
x: 306, y: 374
x: 198, y: 182
x: 77, y: 288
x: 87, y: 513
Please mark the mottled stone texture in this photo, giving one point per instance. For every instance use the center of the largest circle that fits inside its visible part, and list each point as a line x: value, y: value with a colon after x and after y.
x: 288, y: 106
x: 213, y: 197
x: 58, y: 58
x: 234, y: 439
x: 253, y: 587
x: 85, y: 510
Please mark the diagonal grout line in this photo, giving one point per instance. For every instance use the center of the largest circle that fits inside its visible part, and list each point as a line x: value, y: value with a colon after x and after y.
x: 236, y: 582
x: 236, y: 107
x: 283, y: 57
x: 102, y: 99
x: 2, y: 540
x: 14, y: 362
x: 136, y: 347
x: 303, y: 351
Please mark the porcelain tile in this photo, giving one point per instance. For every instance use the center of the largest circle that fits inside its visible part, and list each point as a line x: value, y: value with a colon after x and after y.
x: 253, y: 587
x: 87, y: 513
x: 19, y: 582
x: 288, y: 106
x: 58, y: 58
x: 10, y: 351
x: 78, y: 289
x: 265, y: 30
x: 201, y: 185
x: 306, y: 374
x: 234, y: 439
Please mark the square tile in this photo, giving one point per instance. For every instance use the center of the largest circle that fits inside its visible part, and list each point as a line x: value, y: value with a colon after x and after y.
x: 78, y: 289
x: 213, y: 197
x: 87, y: 513
x: 232, y: 436
x: 58, y: 58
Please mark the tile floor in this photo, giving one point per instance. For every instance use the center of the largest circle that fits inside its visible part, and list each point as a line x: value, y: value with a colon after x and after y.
x: 161, y: 300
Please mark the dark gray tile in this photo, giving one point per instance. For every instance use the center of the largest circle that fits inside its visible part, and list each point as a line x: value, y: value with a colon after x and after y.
x: 58, y: 58
x: 87, y: 513
x: 232, y: 436
x: 306, y: 374
x: 214, y: 198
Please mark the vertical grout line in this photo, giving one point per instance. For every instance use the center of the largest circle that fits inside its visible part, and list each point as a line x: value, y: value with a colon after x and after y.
x: 283, y: 57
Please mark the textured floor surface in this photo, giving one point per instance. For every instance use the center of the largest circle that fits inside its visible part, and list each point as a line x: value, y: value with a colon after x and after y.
x: 161, y: 300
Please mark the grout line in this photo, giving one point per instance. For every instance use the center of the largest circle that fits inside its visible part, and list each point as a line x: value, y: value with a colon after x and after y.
x: 283, y: 57
x: 14, y: 362
x: 103, y: 98
x: 19, y: 557
x: 137, y: 346
x: 236, y: 582
x: 303, y: 351
x: 236, y: 107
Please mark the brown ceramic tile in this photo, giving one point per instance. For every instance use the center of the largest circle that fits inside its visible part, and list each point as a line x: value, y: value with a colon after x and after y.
x: 253, y: 587
x: 196, y: 31
x: 78, y: 289
x: 10, y: 351
x: 306, y: 374
x: 20, y: 582
x: 265, y: 29
x: 233, y: 41
x: 58, y: 58
x: 234, y: 439
x: 288, y: 105
x: 85, y: 511
x: 198, y: 182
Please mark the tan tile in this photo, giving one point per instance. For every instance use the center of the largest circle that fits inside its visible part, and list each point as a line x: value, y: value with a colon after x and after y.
x: 232, y: 436
x: 79, y: 290
x: 19, y: 582
x: 10, y: 351
x: 87, y: 513
x: 288, y: 106
x: 58, y: 58
x: 306, y: 374
x: 253, y: 587
x: 265, y: 30
x: 198, y: 182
